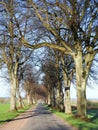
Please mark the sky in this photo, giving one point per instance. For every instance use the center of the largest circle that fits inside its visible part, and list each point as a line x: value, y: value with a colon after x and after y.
x: 92, y: 93
x: 4, y: 88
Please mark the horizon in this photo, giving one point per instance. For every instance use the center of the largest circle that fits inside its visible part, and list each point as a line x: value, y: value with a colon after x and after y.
x: 91, y: 92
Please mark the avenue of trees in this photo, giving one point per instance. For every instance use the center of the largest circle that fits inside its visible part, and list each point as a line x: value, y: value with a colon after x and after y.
x: 68, y: 29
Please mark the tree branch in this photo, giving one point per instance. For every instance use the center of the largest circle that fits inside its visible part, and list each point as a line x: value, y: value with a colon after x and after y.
x: 47, y: 44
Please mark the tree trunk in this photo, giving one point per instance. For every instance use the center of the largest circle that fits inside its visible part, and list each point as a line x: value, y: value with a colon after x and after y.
x: 48, y: 99
x: 53, y: 102
x: 59, y: 98
x: 67, y: 102
x: 28, y: 99
x: 83, y: 105
x: 31, y: 101
x: 61, y: 106
x: 13, y: 94
x: 20, y: 101
x: 80, y: 85
x: 19, y: 96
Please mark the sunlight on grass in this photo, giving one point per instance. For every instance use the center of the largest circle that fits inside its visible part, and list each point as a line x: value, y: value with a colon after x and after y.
x: 4, y: 107
x: 6, y: 115
x: 82, y: 125
x: 92, y: 124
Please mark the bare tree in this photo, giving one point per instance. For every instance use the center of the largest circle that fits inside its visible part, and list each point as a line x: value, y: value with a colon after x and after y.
x: 29, y: 83
x: 12, y: 54
x: 72, y: 26
x: 50, y: 81
x: 68, y: 71
x: 79, y: 19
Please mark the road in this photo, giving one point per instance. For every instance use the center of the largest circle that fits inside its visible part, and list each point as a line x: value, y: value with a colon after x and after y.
x: 37, y: 118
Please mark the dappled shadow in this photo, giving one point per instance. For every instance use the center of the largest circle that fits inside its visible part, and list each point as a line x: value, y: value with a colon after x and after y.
x: 43, y: 112
x: 94, y: 117
x: 58, y: 127
x: 43, y: 120
x: 8, y: 120
x: 93, y: 112
x: 82, y: 127
x: 28, y: 114
x: 90, y: 111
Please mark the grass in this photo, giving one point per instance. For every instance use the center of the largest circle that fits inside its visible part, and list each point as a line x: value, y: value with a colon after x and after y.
x: 4, y: 107
x: 92, y: 124
x: 6, y: 115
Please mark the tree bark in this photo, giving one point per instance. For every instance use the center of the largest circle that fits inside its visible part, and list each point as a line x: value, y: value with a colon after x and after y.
x: 31, y: 100
x: 83, y: 104
x: 67, y: 82
x: 67, y: 102
x: 53, y: 102
x: 81, y: 86
x: 48, y: 99
x: 28, y: 99
x: 13, y: 94
x: 59, y: 97
x: 19, y: 97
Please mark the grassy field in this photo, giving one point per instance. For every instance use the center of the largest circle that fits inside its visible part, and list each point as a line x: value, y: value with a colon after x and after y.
x: 6, y: 115
x: 90, y: 124
x: 4, y: 107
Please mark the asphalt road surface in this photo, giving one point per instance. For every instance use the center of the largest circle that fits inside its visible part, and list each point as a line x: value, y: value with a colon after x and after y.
x: 37, y: 118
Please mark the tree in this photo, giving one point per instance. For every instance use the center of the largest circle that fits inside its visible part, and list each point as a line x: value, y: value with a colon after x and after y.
x: 11, y: 48
x: 79, y: 20
x: 9, y: 55
x: 68, y: 71
x: 41, y: 93
x: 72, y: 26
x: 29, y: 84
x: 50, y: 81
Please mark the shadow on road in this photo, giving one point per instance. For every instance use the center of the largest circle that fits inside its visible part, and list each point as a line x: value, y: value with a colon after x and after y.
x: 28, y: 114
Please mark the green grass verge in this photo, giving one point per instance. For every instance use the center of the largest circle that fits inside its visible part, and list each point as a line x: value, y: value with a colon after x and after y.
x: 4, y: 107
x: 92, y: 124
x: 6, y: 115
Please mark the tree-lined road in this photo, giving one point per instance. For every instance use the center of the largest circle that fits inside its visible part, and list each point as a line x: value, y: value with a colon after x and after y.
x: 37, y: 118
